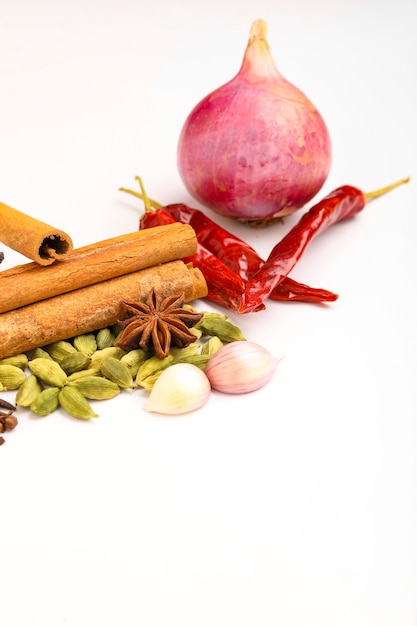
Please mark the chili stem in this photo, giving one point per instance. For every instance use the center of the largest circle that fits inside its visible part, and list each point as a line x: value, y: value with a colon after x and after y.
x: 149, y: 203
x: 371, y: 195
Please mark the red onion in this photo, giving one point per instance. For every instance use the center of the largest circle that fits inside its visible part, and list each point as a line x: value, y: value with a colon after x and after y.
x: 255, y: 148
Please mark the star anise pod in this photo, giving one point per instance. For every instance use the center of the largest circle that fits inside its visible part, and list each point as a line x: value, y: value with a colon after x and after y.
x: 157, y: 324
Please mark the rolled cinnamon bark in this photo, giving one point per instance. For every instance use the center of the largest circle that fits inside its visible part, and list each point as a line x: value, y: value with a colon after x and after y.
x: 90, y: 308
x: 31, y: 237
x: 28, y: 283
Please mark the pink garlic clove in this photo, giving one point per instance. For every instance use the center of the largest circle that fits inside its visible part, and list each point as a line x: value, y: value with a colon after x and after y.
x: 240, y: 367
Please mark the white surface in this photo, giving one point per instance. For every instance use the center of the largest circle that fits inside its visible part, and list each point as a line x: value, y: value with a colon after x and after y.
x: 297, y: 504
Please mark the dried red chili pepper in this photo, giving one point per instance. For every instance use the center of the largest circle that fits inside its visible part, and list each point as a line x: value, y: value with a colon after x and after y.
x: 292, y: 291
x: 155, y: 218
x: 223, y: 285
x: 340, y: 204
x: 235, y: 252
x: 229, y: 249
x: 239, y: 256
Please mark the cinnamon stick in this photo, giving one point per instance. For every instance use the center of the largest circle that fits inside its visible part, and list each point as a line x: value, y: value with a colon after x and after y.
x: 28, y: 283
x: 31, y: 237
x: 90, y: 308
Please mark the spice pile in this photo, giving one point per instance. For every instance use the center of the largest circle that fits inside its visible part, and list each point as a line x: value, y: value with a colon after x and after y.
x: 46, y: 306
x: 85, y: 328
x: 94, y: 366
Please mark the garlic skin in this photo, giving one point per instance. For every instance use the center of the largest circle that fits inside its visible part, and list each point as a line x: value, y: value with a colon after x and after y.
x: 240, y: 367
x: 256, y: 148
x: 180, y: 388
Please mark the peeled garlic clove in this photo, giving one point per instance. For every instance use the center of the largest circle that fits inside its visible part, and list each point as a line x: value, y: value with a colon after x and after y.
x: 180, y: 388
x: 240, y: 367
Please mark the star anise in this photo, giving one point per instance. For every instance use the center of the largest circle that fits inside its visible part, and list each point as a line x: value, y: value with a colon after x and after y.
x: 157, y: 324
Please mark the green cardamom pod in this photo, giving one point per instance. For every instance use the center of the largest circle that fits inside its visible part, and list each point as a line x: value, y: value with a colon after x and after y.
x: 40, y: 353
x: 150, y: 367
x: 74, y: 403
x: 189, y: 307
x: 134, y: 359
x: 215, y: 324
x: 11, y: 377
x: 116, y: 371
x: 90, y: 371
x: 85, y: 343
x: 104, y: 338
x: 96, y: 387
x: 199, y: 360
x: 211, y: 346
x: 28, y: 391
x: 58, y: 349
x: 148, y: 382
x: 49, y: 372
x: 20, y: 360
x: 190, y: 354
x: 46, y: 402
x: 75, y: 362
x: 181, y: 353
x: 211, y: 315
x: 196, y: 331
x: 113, y: 351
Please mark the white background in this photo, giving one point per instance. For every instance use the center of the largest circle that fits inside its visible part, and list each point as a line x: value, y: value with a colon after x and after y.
x: 294, y: 505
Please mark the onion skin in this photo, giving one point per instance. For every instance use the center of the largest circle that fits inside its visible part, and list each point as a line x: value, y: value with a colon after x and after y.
x: 240, y: 367
x: 255, y: 148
